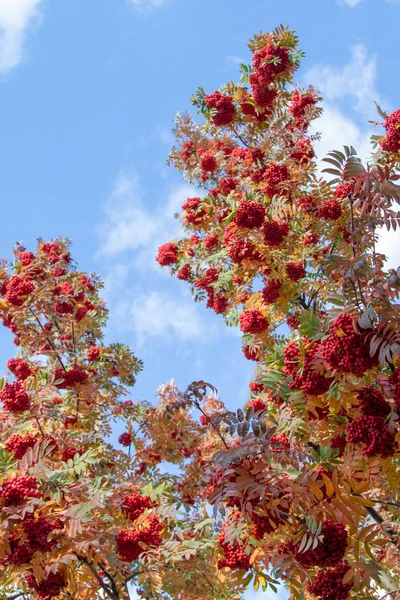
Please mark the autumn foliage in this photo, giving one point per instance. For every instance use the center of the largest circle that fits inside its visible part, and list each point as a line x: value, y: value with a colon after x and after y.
x: 307, y: 474
x: 298, y: 487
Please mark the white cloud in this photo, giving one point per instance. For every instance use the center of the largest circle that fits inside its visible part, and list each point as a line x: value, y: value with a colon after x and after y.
x: 15, y: 17
x: 159, y: 315
x: 351, y: 3
x: 146, y: 6
x: 355, y: 81
x: 129, y: 225
x: 338, y: 130
x: 388, y: 244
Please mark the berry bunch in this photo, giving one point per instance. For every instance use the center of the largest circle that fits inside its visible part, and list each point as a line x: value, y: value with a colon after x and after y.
x: 391, y: 143
x: 345, y: 350
x: 328, y: 552
x: 17, y: 490
x: 252, y: 321
x: 47, y: 588
x: 328, y: 584
x: 374, y: 433
x: 19, y: 368
x: 129, y: 541
x: 135, y: 504
x: 14, y: 397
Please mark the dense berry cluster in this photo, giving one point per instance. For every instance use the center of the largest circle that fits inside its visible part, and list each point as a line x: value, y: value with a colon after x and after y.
x: 274, y: 177
x: 345, y: 350
x: 391, y: 143
x: 47, y: 588
x: 305, y: 375
x: 167, y: 254
x: 70, y: 378
x: 328, y: 552
x: 224, y: 106
x: 274, y: 232
x: 261, y: 525
x: 252, y: 321
x: 19, y: 368
x: 270, y: 292
x: 129, y: 541
x: 328, y: 584
x: 135, y: 504
x: 257, y: 404
x: 192, y: 213
x: 374, y: 433
x: 17, y: 490
x: 184, y: 273
x: 125, y: 439
x: 235, y: 556
x: 93, y: 353
x: 19, y: 444
x: 25, y: 258
x: 299, y: 105
x: 208, y: 163
x: 372, y: 402
x: 269, y: 63
x: 256, y: 387
x: 17, y: 290
x: 249, y: 214
x: 330, y: 210
x: 295, y: 271
x: 14, y: 397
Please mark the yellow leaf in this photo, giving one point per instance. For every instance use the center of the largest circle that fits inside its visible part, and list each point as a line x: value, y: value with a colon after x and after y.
x: 330, y: 490
x: 315, y: 489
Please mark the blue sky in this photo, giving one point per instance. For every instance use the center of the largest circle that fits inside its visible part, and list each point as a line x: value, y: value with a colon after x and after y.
x: 88, y: 91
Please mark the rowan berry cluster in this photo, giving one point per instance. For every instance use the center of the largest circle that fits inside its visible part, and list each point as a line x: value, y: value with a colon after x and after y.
x: 328, y: 552
x: 16, y: 491
x: 125, y: 439
x: 135, y: 504
x: 328, y: 584
x: 274, y: 232
x: 225, y: 109
x: 167, y: 254
x: 19, y: 368
x: 391, y: 143
x: 14, y: 397
x: 129, y: 541
x: 235, y: 556
x: 47, y: 588
x: 345, y: 350
x: 252, y: 321
x: 19, y: 444
x: 305, y: 375
x: 374, y: 433
x: 69, y: 378
x: 372, y: 402
x: 17, y: 290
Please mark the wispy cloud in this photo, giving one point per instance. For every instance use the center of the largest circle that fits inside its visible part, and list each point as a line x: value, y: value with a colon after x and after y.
x: 146, y: 6
x: 129, y: 237
x: 355, y: 84
x: 129, y: 225
x: 160, y: 315
x: 355, y: 81
x: 15, y: 18
x: 351, y: 3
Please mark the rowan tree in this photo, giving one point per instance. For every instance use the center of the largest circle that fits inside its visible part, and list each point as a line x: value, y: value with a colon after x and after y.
x: 307, y: 477
x: 81, y: 515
